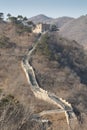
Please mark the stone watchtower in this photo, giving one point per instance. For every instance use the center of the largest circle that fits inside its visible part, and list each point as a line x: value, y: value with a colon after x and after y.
x: 41, y: 28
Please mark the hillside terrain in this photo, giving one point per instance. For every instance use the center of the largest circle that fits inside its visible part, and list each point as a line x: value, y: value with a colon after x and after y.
x: 59, y: 22
x: 12, y: 79
x: 76, y: 30
x: 60, y: 67
x: 17, y: 102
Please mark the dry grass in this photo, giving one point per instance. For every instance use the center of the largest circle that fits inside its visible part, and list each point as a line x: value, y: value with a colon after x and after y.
x: 58, y: 121
x: 13, y: 80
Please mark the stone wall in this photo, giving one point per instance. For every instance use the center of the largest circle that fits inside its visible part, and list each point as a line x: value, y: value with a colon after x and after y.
x: 42, y: 94
x: 41, y: 28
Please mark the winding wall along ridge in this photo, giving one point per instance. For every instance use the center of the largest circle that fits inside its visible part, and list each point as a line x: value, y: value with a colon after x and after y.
x: 42, y: 94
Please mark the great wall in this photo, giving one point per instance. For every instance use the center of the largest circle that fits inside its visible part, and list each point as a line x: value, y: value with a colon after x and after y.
x: 39, y: 93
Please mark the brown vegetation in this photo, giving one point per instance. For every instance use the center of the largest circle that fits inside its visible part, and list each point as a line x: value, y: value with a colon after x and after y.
x: 60, y: 66
x: 63, y: 71
x: 17, y: 102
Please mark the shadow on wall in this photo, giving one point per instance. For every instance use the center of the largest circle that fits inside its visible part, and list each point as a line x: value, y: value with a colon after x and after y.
x: 78, y: 114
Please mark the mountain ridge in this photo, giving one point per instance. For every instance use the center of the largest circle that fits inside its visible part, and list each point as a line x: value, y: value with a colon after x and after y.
x: 76, y: 30
x: 45, y: 19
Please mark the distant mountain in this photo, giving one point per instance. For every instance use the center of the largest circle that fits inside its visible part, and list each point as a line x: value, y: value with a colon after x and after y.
x: 61, y: 21
x: 40, y: 18
x: 44, y: 19
x: 76, y: 30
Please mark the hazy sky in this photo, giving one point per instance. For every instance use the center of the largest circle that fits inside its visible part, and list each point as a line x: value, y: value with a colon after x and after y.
x: 52, y: 8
